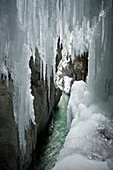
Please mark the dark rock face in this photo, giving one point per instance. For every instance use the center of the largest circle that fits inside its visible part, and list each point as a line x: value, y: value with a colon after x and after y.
x: 76, y: 69
x: 8, y: 129
x: 69, y: 71
x: 81, y: 64
x: 11, y: 157
x: 59, y: 53
x: 43, y: 106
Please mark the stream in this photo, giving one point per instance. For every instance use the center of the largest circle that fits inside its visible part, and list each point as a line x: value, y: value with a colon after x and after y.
x: 55, y: 141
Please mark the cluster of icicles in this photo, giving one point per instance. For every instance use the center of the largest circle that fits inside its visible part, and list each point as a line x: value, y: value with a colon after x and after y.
x: 25, y: 25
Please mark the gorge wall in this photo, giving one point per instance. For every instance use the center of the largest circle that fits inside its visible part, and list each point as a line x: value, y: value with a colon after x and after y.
x: 84, y: 25
x: 11, y: 156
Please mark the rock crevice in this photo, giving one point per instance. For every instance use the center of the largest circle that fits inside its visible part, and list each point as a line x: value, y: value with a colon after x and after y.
x: 11, y: 157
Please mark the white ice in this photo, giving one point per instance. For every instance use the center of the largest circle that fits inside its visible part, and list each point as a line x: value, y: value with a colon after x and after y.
x: 78, y: 162
x: 82, y: 25
x: 90, y: 112
x: 90, y: 138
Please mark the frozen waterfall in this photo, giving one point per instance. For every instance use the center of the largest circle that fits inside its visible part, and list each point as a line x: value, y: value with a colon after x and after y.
x: 85, y: 25
x: 90, y: 112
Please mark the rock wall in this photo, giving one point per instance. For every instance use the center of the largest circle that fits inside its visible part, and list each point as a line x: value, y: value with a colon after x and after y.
x: 8, y: 128
x: 43, y: 105
x: 75, y: 69
x: 11, y: 157
x: 69, y: 71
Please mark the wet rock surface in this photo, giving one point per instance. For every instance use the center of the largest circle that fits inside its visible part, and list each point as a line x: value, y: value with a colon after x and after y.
x: 8, y: 128
x: 11, y: 157
x: 43, y: 105
x: 70, y: 71
x: 75, y: 69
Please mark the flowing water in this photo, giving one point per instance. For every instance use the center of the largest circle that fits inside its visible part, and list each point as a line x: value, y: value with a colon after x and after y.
x: 55, y: 141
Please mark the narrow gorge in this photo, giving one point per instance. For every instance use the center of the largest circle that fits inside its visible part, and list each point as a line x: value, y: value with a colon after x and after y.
x: 56, y: 84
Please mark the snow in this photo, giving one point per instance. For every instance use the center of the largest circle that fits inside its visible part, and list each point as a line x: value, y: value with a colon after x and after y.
x: 80, y: 163
x: 67, y: 84
x: 90, y: 111
x: 76, y: 97
x: 64, y: 83
x: 90, y: 138
x: 82, y: 25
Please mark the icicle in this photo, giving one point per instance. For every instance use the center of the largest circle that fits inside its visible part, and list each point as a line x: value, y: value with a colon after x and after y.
x: 37, y: 23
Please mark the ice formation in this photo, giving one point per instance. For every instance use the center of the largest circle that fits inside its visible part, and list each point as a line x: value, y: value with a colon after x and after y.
x: 90, y: 136
x: 90, y: 112
x: 82, y: 25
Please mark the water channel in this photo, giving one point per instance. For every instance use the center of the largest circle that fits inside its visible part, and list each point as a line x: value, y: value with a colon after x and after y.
x: 55, y: 141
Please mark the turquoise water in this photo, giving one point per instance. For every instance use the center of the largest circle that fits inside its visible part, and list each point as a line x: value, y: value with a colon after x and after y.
x: 55, y: 141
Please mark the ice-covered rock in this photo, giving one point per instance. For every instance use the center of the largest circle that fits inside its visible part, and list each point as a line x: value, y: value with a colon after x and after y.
x: 90, y: 136
x: 83, y: 26
x: 90, y: 109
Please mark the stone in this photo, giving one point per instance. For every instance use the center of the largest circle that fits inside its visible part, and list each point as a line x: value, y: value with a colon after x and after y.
x: 11, y: 157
